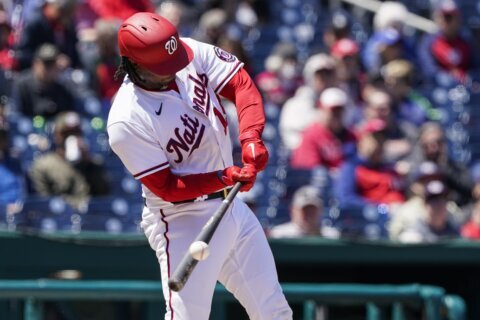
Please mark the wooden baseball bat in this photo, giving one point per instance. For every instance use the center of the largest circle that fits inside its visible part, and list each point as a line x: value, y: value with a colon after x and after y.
x: 187, y: 264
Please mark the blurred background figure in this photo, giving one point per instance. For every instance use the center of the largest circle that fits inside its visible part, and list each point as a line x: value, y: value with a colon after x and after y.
x: 383, y: 47
x: 350, y: 73
x: 103, y: 66
x: 70, y: 170
x: 432, y: 146
x: 448, y: 50
x: 301, y: 110
x: 212, y: 26
x: 471, y: 229
x: 414, y: 209
x: 7, y: 56
x: 410, y: 105
x: 389, y: 41
x: 391, y: 14
x: 306, y: 211
x: 12, y: 180
x: 338, y: 27
x: 435, y: 225
x: 52, y: 24
x: 367, y: 178
x: 326, y: 142
x: 399, y: 135
x: 119, y: 9
x: 178, y: 14
x: 282, y: 74
x: 39, y: 91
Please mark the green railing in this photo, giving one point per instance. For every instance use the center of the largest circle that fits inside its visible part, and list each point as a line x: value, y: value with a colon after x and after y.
x: 433, y: 301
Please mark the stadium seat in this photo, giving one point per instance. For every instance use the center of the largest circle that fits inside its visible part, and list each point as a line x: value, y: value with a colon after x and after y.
x: 113, y: 214
x: 49, y: 215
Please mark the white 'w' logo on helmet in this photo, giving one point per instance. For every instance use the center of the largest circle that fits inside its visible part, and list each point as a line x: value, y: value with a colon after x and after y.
x: 171, y: 45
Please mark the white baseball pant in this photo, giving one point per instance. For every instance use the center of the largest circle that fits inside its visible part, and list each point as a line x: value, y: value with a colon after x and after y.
x: 240, y: 258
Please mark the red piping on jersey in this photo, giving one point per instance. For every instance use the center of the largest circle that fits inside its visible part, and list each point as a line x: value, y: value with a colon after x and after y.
x: 244, y: 94
x: 227, y: 77
x: 168, y: 259
x: 173, y: 188
x: 150, y: 169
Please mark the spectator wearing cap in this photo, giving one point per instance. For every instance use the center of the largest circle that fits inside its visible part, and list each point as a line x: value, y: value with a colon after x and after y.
x: 53, y: 24
x: 390, y: 14
x: 281, y: 77
x: 350, y: 72
x: 432, y: 146
x: 367, y: 178
x: 338, y: 27
x: 448, y: 50
x: 70, y: 170
x: 414, y: 208
x: 306, y: 212
x: 385, y: 46
x: 388, y: 40
x: 399, y: 134
x: 435, y: 225
x: 328, y: 141
x: 410, y: 105
x: 38, y: 91
x: 301, y: 110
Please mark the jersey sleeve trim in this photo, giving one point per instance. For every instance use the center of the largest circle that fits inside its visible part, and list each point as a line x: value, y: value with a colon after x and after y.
x: 151, y: 170
x: 228, y: 77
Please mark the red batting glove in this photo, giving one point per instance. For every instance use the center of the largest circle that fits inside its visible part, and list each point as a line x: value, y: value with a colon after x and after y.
x: 246, y: 175
x: 253, y: 150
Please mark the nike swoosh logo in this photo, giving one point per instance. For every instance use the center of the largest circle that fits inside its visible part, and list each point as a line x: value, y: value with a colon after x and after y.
x: 159, y: 111
x: 252, y: 146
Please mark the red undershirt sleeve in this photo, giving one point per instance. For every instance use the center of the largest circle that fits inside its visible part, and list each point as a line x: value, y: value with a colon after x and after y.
x: 173, y: 188
x: 242, y: 91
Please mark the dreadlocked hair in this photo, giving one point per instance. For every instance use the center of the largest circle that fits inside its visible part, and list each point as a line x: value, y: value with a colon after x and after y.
x: 126, y: 67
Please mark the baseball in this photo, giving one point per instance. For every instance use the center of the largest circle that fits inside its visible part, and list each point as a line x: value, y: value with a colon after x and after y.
x: 199, y: 250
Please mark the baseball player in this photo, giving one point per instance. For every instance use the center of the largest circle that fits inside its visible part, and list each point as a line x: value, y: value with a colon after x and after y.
x: 169, y: 128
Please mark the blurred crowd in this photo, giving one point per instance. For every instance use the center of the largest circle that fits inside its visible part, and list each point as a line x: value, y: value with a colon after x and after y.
x: 363, y: 108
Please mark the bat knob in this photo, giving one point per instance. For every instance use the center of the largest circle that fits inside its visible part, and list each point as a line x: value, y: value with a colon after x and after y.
x: 175, y: 285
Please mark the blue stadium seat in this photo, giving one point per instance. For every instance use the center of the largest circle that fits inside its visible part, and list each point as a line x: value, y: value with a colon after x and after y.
x: 49, y: 215
x: 368, y: 222
x: 113, y: 214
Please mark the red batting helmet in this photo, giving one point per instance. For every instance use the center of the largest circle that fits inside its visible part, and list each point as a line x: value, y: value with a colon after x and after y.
x: 152, y: 41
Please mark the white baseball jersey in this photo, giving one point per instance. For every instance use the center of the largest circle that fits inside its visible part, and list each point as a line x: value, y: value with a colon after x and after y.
x: 186, y: 130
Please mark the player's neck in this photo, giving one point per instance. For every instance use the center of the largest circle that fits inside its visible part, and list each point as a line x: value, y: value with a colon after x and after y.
x: 158, y: 86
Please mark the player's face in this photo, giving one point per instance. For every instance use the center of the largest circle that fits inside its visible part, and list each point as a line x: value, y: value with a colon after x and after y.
x: 153, y: 80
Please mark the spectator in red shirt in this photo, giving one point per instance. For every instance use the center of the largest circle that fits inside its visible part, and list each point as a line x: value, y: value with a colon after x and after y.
x: 119, y: 9
x: 471, y: 230
x: 446, y: 50
x: 326, y: 142
x: 367, y: 178
x: 6, y: 51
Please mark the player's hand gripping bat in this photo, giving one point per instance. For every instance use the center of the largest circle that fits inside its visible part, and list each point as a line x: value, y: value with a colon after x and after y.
x: 187, y: 264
